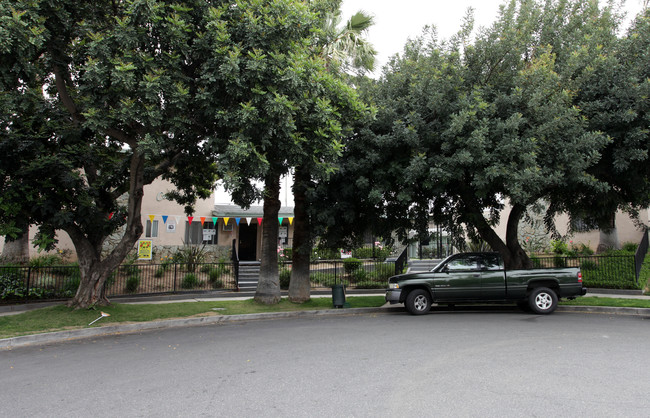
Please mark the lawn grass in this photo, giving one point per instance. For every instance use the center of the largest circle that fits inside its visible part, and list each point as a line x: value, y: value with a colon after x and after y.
x: 60, y: 317
x: 612, y: 302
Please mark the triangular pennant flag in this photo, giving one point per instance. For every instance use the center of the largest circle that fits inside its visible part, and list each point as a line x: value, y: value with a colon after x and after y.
x: 110, y: 215
x: 151, y: 218
x: 290, y: 221
x: 225, y: 220
x: 237, y: 220
x: 189, y: 219
x: 202, y: 220
x: 165, y: 219
x: 178, y: 219
x: 214, y: 220
x: 248, y: 220
x: 280, y: 219
x: 259, y: 221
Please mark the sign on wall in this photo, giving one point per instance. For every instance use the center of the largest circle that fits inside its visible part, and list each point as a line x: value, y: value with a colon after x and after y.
x: 145, y: 247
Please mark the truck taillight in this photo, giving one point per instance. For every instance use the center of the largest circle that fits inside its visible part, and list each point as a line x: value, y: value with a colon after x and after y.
x: 579, y: 277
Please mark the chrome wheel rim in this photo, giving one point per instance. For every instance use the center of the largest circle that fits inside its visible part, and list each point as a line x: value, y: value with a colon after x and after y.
x: 543, y: 301
x: 420, y: 302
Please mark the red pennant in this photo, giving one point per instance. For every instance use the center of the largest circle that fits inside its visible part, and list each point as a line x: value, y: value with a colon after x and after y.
x: 259, y: 221
x: 189, y: 219
x: 110, y: 215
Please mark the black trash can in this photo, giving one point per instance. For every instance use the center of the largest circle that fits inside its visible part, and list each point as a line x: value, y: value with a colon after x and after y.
x: 338, y: 295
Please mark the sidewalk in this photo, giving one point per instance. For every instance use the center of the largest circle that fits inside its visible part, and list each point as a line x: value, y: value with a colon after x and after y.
x: 61, y: 336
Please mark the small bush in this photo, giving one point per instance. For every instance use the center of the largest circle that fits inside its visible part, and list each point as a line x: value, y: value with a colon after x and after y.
x: 351, y: 265
x: 12, y: 284
x: 359, y: 276
x: 132, y: 283
x: 160, y: 271
x: 588, y: 265
x: 630, y: 247
x: 47, y: 260
x: 559, y: 247
x: 370, y: 285
x: 190, y: 281
x: 285, y: 278
x: 559, y: 261
x: 383, y: 272
x: 71, y: 285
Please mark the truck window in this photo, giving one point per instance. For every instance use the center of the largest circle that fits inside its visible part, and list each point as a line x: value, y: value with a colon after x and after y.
x: 492, y: 262
x: 464, y: 263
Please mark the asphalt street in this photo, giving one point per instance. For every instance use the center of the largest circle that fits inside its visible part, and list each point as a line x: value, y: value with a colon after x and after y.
x: 487, y: 363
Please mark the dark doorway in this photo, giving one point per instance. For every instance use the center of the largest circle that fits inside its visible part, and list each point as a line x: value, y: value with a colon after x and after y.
x: 248, y: 242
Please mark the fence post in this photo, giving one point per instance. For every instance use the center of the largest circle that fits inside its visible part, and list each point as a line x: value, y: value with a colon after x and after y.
x: 175, y: 266
x: 29, y: 276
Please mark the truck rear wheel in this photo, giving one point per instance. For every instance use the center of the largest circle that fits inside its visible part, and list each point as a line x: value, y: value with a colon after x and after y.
x: 418, y: 302
x: 542, y: 300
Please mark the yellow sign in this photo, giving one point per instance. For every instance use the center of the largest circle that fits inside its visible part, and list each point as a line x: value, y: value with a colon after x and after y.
x: 145, y: 247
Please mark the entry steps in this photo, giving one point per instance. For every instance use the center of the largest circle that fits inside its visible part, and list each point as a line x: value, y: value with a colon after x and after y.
x: 249, y: 275
x: 419, y: 266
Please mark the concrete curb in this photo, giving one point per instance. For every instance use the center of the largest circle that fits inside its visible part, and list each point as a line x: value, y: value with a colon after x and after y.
x: 63, y: 336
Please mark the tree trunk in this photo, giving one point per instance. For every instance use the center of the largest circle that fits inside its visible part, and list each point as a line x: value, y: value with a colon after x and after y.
x: 17, y: 251
x: 299, y: 287
x: 514, y: 257
x: 95, y: 271
x: 609, y: 236
x: 517, y: 257
x: 268, y: 287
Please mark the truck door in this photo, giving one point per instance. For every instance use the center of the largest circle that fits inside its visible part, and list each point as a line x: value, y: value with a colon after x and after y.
x: 459, y: 279
x: 493, y: 279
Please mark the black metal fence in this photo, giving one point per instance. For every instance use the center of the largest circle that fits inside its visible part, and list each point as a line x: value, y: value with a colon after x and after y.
x: 360, y: 274
x: 600, y: 271
x: 61, y: 282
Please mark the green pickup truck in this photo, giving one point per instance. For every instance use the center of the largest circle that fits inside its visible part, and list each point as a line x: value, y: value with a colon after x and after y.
x: 481, y: 277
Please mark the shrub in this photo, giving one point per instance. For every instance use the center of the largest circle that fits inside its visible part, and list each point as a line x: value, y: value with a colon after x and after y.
x: 11, y: 284
x: 559, y: 261
x: 66, y: 270
x: 359, y: 275
x: 323, y: 279
x: 350, y: 265
x: 383, y: 272
x: 46, y: 260
x: 588, y: 265
x: 630, y: 247
x: 559, y: 247
x: 191, y: 256
x: 322, y: 253
x: 380, y: 253
x: 160, y: 271
x: 370, y: 285
x: 190, y: 281
x: 285, y: 278
x: 132, y: 283
x: 71, y: 285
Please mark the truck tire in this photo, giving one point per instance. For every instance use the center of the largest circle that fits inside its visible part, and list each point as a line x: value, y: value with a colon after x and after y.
x: 418, y: 302
x: 542, y: 300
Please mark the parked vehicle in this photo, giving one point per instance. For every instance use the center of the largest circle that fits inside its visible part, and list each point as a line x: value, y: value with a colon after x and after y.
x: 481, y: 277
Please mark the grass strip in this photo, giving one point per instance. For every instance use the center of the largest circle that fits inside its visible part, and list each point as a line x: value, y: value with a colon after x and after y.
x: 611, y: 302
x: 60, y: 317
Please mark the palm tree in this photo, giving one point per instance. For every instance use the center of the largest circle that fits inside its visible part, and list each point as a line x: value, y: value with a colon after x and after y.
x: 344, y: 49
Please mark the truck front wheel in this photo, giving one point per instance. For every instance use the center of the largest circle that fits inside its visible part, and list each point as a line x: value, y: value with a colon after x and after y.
x: 542, y: 300
x: 418, y: 302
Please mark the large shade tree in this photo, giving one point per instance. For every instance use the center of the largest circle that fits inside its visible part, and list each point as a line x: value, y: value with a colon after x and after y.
x: 100, y: 98
x: 467, y: 127
x: 290, y: 109
x: 344, y: 49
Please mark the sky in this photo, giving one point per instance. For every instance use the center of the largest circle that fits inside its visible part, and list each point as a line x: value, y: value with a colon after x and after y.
x: 397, y: 21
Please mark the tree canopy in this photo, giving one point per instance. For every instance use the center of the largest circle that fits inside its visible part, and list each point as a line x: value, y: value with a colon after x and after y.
x: 466, y: 127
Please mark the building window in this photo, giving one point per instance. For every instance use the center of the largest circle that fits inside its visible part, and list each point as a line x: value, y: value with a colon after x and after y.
x: 151, y: 231
x: 200, y: 234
